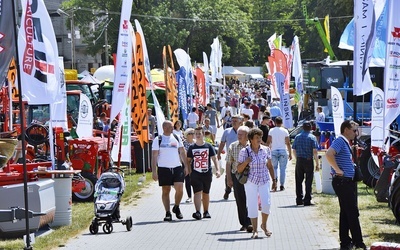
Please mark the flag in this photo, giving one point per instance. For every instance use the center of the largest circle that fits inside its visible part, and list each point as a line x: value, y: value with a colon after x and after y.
x: 378, y: 55
x: 392, y: 67
x: 182, y: 97
x: 159, y: 113
x: 363, y: 45
x: 272, y: 70
x: 201, y: 87
x: 123, y: 65
x: 58, y: 109
x: 207, y: 76
x: 327, y: 31
x: 377, y: 115
x: 183, y: 59
x: 85, y: 119
x: 297, y: 67
x: 138, y: 95
x: 337, y: 109
x: 123, y: 140
x: 7, y: 44
x: 271, y: 44
x: 38, y: 54
x: 284, y: 100
x: 173, y: 84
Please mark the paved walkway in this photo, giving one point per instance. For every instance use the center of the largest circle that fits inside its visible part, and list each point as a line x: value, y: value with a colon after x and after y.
x: 293, y: 227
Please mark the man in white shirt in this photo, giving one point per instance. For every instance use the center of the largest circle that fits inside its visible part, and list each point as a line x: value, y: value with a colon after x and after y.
x: 193, y: 119
x: 168, y: 155
x: 224, y: 109
x: 222, y: 101
x: 279, y: 142
x: 247, y: 110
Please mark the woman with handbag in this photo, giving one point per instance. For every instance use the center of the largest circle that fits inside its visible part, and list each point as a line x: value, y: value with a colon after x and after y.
x: 261, y: 172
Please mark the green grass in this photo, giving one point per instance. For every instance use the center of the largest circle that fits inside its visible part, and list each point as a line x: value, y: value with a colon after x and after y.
x: 377, y: 220
x: 81, y: 219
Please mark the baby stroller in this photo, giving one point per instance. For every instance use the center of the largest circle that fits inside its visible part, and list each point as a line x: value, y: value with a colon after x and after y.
x: 108, y: 191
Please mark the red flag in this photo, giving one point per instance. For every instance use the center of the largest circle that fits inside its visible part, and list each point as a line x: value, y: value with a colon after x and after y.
x: 201, y: 87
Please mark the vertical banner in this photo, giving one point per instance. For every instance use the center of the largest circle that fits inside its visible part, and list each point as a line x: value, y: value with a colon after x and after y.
x: 364, y: 21
x: 377, y: 137
x: 159, y: 113
x: 85, y: 119
x: 285, y: 101
x: 392, y: 66
x: 207, y: 77
x: 58, y: 108
x: 327, y: 31
x: 125, y: 141
x: 182, y: 98
x: 201, y: 87
x: 271, y: 44
x: 337, y: 109
x: 297, y: 71
x: 272, y: 70
x: 123, y: 61
x: 7, y: 43
x: 172, y: 83
x: 38, y: 54
x: 138, y: 92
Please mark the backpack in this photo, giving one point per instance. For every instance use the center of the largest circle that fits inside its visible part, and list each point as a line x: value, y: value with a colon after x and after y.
x: 160, y: 138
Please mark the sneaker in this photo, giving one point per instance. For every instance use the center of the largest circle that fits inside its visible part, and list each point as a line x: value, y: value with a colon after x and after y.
x: 206, y: 215
x: 282, y: 188
x: 168, y: 216
x: 197, y: 215
x: 189, y: 200
x: 177, y: 212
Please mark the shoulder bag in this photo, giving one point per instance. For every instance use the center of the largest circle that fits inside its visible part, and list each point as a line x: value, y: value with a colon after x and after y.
x: 242, y: 177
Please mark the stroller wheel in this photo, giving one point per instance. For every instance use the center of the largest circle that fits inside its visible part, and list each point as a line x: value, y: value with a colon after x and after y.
x: 128, y: 223
x: 94, y: 228
x: 108, y: 228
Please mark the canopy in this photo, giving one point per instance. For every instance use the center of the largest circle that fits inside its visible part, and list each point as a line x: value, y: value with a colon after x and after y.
x: 91, y: 79
x: 256, y: 76
x: 105, y: 73
x: 231, y: 71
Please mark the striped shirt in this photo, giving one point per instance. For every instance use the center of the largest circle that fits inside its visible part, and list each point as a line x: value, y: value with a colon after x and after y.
x: 258, y: 173
x: 233, y: 155
x: 343, y: 156
x: 304, y: 143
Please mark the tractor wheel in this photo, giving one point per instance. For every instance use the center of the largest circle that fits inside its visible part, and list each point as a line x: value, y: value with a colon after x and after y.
x: 394, y: 199
x: 369, y: 169
x: 88, y: 192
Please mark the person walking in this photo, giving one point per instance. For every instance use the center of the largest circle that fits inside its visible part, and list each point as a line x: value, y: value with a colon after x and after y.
x: 258, y: 157
x: 321, y: 115
x: 199, y: 156
x: 238, y: 188
x: 339, y: 156
x: 278, y: 140
x: 229, y: 136
x: 168, y: 156
x: 187, y: 142
x: 193, y: 119
x: 227, y: 120
x: 305, y: 150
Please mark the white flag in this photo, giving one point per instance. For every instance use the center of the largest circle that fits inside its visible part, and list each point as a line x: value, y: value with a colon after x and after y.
x: 207, y: 76
x: 337, y: 109
x: 364, y: 20
x: 38, y: 55
x: 392, y: 67
x: 85, y: 119
x: 58, y: 108
x: 377, y: 137
x: 123, y: 66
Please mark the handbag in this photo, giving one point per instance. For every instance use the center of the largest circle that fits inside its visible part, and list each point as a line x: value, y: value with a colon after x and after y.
x: 242, y: 177
x: 358, y: 176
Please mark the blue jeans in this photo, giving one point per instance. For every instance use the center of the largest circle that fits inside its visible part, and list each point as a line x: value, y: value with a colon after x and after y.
x: 280, y: 157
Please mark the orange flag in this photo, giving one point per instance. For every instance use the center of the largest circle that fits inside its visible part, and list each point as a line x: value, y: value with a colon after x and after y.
x: 170, y: 86
x: 139, y: 101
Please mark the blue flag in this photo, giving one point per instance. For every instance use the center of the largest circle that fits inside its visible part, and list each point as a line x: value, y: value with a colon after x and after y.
x: 182, y: 96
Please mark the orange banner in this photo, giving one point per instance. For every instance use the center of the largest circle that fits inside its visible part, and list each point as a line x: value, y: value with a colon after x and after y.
x: 201, y: 87
x: 171, y: 91
x: 139, y: 101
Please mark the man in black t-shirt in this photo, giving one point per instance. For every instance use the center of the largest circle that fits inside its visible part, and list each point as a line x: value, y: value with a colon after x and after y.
x: 265, y: 129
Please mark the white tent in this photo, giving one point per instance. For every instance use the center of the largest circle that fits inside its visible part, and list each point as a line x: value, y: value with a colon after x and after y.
x: 231, y: 71
x: 105, y: 73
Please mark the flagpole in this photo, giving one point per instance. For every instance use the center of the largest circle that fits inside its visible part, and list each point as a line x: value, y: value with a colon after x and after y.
x: 22, y: 121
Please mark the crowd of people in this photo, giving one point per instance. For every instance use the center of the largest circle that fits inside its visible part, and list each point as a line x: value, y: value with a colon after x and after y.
x: 253, y: 137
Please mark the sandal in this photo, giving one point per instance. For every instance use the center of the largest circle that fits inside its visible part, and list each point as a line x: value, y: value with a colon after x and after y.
x: 266, y: 231
x: 255, y: 235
